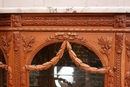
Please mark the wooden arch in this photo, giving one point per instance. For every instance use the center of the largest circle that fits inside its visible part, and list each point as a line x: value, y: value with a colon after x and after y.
x: 74, y: 58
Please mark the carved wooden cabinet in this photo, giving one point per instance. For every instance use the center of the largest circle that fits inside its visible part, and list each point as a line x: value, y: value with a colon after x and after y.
x: 28, y: 48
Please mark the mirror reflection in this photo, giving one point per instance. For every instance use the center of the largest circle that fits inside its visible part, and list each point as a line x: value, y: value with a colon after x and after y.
x: 65, y: 73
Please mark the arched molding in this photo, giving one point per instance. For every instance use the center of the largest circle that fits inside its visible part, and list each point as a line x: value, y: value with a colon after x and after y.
x: 100, y: 56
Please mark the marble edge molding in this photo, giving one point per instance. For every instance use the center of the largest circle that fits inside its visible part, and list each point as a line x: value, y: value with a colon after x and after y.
x: 125, y: 9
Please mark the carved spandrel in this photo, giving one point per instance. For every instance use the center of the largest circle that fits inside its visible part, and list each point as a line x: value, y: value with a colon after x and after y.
x: 120, y: 21
x: 16, y: 20
x: 105, y: 45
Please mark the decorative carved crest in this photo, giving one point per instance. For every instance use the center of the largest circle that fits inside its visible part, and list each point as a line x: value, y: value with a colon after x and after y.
x: 16, y: 20
x: 73, y: 56
x: 120, y: 21
x: 6, y: 44
x: 105, y: 45
x: 127, y: 48
x: 66, y: 36
x: 27, y: 45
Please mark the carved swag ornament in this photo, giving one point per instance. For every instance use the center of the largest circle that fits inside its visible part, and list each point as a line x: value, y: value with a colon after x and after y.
x: 74, y: 58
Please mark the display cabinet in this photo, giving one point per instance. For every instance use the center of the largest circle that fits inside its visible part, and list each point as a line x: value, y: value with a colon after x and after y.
x: 64, y: 49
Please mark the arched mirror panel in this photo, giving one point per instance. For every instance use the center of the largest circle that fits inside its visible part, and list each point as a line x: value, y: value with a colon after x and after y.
x: 65, y: 73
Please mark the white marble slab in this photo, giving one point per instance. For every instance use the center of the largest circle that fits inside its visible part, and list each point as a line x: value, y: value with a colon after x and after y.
x: 65, y: 10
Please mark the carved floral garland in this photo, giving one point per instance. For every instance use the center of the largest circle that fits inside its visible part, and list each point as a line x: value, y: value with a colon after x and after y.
x: 84, y: 66
x: 73, y: 56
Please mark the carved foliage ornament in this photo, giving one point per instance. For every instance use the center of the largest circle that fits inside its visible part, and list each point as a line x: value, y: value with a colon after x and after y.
x: 66, y: 36
x: 127, y: 42
x: 9, y: 69
x: 27, y: 44
x: 6, y: 44
x: 105, y: 45
x: 73, y: 56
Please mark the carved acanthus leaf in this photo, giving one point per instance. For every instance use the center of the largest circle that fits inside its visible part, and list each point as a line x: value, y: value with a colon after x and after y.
x: 6, y: 44
x: 84, y: 66
x: 47, y: 65
x: 66, y: 36
x: 105, y: 45
x: 127, y: 42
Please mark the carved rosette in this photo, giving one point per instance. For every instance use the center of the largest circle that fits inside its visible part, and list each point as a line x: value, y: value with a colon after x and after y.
x: 27, y: 44
x: 6, y: 44
x: 127, y: 42
x: 16, y: 59
x: 120, y: 21
x: 16, y: 20
x: 105, y: 45
x: 66, y: 36
x: 118, y: 48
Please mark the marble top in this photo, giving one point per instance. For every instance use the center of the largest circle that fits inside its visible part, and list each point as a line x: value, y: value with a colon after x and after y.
x: 120, y: 9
